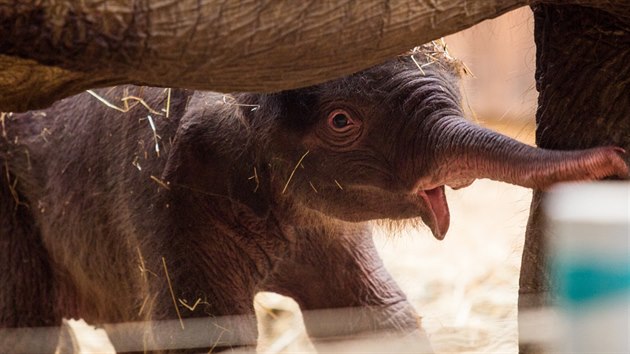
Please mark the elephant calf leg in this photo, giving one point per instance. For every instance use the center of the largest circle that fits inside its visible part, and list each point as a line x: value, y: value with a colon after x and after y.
x: 28, y: 320
x: 340, y: 283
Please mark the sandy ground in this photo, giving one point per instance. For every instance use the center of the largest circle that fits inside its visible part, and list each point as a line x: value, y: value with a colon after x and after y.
x: 465, y: 287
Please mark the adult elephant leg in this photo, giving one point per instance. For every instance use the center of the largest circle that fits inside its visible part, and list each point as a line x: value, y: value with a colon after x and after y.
x: 583, y: 78
x: 341, y: 285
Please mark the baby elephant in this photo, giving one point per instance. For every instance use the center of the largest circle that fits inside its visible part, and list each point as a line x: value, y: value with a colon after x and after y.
x: 176, y: 211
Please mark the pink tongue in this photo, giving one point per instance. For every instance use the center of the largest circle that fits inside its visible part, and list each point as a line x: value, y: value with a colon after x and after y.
x: 437, y: 202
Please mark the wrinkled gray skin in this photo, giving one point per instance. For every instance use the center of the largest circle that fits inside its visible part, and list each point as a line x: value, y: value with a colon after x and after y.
x: 55, y: 48
x: 249, y: 192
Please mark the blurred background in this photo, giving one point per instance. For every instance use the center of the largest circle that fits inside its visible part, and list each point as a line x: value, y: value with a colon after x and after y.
x: 466, y: 286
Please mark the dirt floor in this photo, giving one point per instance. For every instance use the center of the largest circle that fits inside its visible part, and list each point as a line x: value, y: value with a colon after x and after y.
x: 465, y: 287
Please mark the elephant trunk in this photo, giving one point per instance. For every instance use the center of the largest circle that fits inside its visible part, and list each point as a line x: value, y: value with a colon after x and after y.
x: 464, y: 152
x: 461, y: 152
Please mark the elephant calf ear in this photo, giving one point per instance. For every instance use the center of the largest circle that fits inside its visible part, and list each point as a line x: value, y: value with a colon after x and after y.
x: 209, y: 157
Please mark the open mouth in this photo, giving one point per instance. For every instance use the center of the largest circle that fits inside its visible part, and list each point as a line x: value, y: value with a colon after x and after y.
x: 435, y: 199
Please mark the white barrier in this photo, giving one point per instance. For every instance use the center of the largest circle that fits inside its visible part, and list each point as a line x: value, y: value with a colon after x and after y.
x: 589, y: 258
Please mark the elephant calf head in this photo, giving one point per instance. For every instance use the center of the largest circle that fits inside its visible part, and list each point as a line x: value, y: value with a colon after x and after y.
x: 383, y: 144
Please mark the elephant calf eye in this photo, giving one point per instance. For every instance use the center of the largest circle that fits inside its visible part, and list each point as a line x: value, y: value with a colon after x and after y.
x: 339, y: 120
x: 340, y: 130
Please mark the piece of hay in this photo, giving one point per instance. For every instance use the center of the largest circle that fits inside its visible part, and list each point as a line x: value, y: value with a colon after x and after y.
x: 155, y: 135
x: 160, y: 182
x: 170, y: 288
x: 293, y: 172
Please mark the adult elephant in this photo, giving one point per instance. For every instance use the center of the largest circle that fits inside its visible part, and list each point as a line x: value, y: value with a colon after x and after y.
x: 52, y: 49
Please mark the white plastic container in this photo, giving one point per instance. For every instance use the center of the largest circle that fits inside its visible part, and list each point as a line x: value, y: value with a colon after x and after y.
x: 589, y: 258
